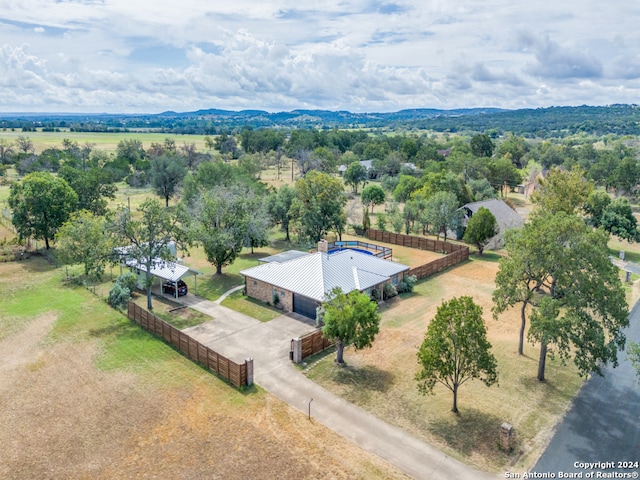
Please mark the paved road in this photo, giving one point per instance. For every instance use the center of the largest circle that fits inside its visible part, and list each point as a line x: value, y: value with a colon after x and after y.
x: 603, y: 424
x: 238, y: 336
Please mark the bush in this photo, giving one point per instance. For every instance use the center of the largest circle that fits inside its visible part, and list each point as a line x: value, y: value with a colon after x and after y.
x: 381, y: 223
x: 129, y: 280
x: 358, y: 230
x: 389, y: 291
x: 119, y: 296
x: 407, y: 283
x: 275, y: 299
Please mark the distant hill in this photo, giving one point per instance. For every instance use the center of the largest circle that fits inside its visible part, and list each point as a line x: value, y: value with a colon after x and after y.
x: 541, y: 122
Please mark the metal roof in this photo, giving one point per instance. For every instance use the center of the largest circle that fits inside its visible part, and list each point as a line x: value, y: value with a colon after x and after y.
x: 505, y: 215
x: 283, y: 257
x: 316, y: 274
x: 164, y: 269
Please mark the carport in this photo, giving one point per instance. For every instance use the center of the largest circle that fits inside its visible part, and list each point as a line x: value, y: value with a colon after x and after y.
x: 165, y: 270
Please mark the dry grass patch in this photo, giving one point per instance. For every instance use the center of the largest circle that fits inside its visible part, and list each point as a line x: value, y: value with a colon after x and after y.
x: 85, y: 393
x: 408, y: 256
x: 381, y: 379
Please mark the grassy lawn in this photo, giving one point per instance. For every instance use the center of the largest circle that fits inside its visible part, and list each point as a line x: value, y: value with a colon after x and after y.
x: 251, y: 307
x: 381, y: 379
x: 211, y: 286
x: 171, y: 312
x: 98, y: 397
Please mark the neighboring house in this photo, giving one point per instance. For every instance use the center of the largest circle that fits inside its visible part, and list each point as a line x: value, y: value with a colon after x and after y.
x: 444, y: 153
x: 367, y: 164
x: 533, y: 185
x: 302, y: 283
x: 505, y: 216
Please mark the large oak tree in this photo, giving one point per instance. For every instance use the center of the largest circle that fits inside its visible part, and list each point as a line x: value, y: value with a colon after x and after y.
x: 41, y: 203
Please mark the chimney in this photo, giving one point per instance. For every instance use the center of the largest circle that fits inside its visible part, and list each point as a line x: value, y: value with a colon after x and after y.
x: 323, y: 246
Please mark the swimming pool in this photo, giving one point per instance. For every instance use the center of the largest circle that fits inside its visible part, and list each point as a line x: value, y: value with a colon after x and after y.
x: 334, y: 250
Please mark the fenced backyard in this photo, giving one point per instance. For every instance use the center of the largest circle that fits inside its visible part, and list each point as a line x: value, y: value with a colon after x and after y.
x: 238, y: 374
x: 454, y: 253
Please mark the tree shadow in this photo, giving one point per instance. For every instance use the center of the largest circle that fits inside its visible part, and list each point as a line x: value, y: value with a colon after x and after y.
x: 472, y: 432
x: 369, y: 378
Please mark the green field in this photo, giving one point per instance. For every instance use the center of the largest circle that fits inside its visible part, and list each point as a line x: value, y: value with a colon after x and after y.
x: 103, y: 141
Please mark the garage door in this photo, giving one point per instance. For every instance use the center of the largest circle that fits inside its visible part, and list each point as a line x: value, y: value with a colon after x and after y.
x: 305, y: 306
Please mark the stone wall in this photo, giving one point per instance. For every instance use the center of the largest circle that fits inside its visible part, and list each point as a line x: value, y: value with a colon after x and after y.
x: 263, y: 291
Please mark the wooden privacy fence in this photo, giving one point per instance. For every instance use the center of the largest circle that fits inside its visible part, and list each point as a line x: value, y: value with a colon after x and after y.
x: 454, y: 253
x: 313, y: 343
x: 238, y: 374
x: 308, y: 344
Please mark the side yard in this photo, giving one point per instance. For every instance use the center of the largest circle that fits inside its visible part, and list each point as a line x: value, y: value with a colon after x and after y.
x: 84, y: 392
x: 381, y: 379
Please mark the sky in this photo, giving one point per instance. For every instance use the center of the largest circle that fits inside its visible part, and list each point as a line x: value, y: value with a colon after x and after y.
x: 150, y: 56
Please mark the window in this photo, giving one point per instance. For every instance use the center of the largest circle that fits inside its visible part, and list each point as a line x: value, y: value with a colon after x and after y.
x: 282, y: 293
x: 255, y: 282
x: 394, y: 280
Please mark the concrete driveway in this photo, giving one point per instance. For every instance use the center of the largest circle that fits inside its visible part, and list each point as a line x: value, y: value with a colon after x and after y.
x: 238, y: 336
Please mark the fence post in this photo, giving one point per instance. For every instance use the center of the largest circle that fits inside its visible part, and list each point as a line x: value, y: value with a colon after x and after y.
x: 249, y: 362
x: 296, y: 345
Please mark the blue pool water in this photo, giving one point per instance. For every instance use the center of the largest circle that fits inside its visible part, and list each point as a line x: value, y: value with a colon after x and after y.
x: 334, y: 250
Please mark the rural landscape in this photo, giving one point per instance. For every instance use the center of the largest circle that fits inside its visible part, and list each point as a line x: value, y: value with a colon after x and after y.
x: 88, y: 392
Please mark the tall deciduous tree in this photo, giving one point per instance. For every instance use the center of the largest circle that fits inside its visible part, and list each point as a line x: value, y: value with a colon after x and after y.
x: 85, y: 239
x: 223, y: 219
x: 503, y: 174
x: 618, y: 219
x: 372, y: 195
x: 455, y: 349
x: 318, y: 206
x: 559, y: 259
x: 350, y: 319
x: 256, y: 233
x: 521, y: 272
x: 481, y: 228
x: 25, y: 145
x: 481, y: 145
x: 146, y: 237
x: 167, y: 171
x: 93, y: 187
x: 354, y: 175
x: 562, y: 191
x: 41, y: 203
x: 442, y: 213
x: 6, y: 149
x: 279, y: 206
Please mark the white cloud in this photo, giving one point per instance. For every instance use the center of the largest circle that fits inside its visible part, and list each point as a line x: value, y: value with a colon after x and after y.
x: 360, y: 55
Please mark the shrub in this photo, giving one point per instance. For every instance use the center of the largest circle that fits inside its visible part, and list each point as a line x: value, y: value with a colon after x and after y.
x: 129, y: 280
x: 407, y: 283
x: 381, y: 222
x: 389, y: 291
x: 119, y: 296
x: 375, y: 295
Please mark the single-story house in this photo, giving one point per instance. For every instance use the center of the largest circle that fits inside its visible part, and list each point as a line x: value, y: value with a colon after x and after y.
x: 505, y: 216
x: 302, y: 283
x: 367, y: 164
